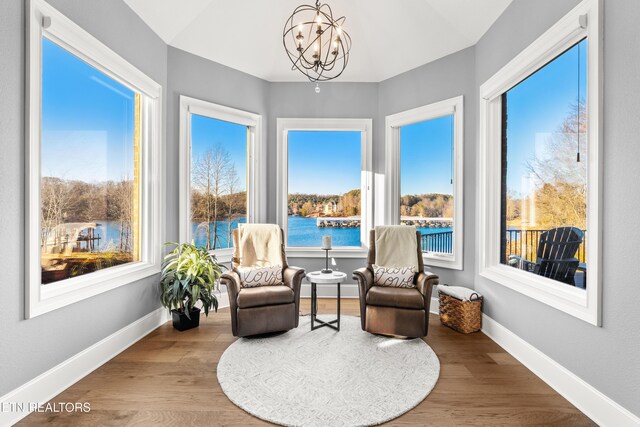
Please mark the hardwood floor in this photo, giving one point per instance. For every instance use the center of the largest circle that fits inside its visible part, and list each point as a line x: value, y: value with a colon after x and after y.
x: 169, y: 378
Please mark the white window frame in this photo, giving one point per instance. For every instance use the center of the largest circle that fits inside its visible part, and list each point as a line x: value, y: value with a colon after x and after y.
x: 256, y: 170
x: 391, y: 199
x: 583, y: 21
x: 44, y: 20
x: 284, y: 126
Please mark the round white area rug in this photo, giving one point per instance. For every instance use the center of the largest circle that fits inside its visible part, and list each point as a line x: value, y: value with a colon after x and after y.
x: 328, y: 378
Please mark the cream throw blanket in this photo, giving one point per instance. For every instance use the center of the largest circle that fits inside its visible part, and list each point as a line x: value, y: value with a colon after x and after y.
x: 260, y: 245
x: 396, y: 246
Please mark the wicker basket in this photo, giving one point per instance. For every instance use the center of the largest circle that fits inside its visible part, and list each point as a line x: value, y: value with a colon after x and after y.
x: 462, y: 316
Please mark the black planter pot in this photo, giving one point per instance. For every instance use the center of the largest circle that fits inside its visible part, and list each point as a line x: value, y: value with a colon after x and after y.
x: 181, y: 322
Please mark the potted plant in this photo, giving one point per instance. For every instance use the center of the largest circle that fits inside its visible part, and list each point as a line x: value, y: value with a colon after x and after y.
x: 189, y: 274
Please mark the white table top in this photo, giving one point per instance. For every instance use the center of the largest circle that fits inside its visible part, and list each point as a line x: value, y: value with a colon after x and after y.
x: 319, y: 277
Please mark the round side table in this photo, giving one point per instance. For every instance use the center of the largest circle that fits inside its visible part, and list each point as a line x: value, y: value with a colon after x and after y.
x: 315, y: 278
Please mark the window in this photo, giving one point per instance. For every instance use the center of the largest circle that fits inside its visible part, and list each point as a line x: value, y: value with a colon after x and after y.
x: 219, y: 169
x: 324, y: 183
x: 424, y: 177
x: 92, y: 166
x: 544, y: 179
x: 540, y: 169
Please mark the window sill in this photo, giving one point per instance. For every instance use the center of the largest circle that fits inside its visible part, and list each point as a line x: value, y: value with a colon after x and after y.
x: 566, y: 298
x: 298, y: 252
x: 442, y: 261
x: 57, y: 295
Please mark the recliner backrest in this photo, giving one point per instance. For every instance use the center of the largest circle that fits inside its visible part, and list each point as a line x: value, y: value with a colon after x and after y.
x: 371, y: 258
x: 235, y: 260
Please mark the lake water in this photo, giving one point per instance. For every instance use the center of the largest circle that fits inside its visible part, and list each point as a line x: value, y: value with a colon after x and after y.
x: 303, y: 232
x: 109, y: 232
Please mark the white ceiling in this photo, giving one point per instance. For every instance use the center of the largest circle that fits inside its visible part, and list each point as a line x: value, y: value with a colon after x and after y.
x: 389, y: 36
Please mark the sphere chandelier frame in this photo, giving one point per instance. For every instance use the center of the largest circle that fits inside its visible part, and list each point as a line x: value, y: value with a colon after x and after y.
x: 317, y: 44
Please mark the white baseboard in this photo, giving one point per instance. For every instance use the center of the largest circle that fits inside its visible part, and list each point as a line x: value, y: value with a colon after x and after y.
x: 57, y: 379
x: 600, y: 408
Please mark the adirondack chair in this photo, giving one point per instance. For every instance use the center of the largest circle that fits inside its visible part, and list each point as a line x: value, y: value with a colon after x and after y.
x: 556, y: 255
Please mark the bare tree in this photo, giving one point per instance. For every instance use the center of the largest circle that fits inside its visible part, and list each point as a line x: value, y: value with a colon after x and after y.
x: 209, y: 176
x: 56, y: 201
x: 560, y: 175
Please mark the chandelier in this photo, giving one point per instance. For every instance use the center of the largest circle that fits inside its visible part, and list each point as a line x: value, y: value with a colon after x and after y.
x: 316, y: 43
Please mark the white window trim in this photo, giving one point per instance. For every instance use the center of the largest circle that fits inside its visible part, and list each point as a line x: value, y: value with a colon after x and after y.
x: 256, y: 170
x: 391, y: 199
x: 565, y: 33
x: 44, y: 20
x: 284, y: 125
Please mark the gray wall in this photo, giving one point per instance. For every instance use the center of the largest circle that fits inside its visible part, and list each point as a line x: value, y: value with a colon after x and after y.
x: 30, y: 347
x: 606, y: 357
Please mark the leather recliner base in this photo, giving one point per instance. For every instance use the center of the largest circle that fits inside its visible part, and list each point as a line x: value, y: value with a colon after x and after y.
x: 268, y: 318
x: 395, y: 321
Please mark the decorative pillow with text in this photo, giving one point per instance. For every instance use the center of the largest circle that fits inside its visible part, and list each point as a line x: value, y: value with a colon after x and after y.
x: 398, y: 277
x: 251, y: 277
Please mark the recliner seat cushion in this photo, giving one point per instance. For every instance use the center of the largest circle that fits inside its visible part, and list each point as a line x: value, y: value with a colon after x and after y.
x: 385, y: 296
x: 264, y: 295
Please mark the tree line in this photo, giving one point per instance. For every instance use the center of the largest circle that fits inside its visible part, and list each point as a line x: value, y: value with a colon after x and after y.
x: 67, y: 201
x: 348, y: 204
x: 311, y: 205
x: 430, y: 205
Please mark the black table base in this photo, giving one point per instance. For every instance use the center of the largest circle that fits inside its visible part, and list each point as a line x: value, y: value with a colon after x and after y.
x: 334, y: 324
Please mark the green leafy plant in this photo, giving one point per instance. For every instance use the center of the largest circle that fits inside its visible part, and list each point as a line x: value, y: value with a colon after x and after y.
x: 189, y: 274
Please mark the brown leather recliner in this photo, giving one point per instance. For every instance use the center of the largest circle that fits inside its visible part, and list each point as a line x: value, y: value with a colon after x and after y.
x: 394, y: 311
x: 263, y: 309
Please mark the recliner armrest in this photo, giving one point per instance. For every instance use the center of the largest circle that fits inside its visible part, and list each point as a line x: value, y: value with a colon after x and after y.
x: 292, y: 277
x: 364, y: 277
x: 425, y: 283
x: 231, y: 280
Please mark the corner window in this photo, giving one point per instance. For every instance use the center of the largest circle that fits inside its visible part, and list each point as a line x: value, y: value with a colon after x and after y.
x: 540, y: 177
x: 324, y: 183
x: 424, y: 178
x: 219, y: 152
x: 92, y: 151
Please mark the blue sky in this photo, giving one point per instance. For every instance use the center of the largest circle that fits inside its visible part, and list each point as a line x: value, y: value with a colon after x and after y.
x: 87, y: 131
x: 87, y: 120
x: 425, y: 157
x: 324, y: 162
x: 536, y: 108
x: 207, y: 133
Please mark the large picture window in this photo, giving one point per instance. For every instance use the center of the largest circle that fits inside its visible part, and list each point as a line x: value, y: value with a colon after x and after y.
x: 324, y: 183
x: 544, y: 179
x: 424, y: 177
x: 540, y: 178
x: 89, y: 168
x: 219, y: 168
x: 92, y: 166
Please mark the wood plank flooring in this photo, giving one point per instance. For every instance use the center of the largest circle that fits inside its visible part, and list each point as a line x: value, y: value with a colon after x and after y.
x: 168, y: 378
